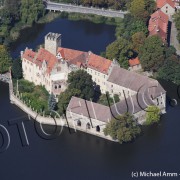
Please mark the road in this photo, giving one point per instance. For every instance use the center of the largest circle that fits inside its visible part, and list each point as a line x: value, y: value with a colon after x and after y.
x: 81, y: 9
x: 173, y: 39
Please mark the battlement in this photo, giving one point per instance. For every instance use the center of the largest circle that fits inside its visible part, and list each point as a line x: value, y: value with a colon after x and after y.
x: 52, y: 36
x: 52, y: 42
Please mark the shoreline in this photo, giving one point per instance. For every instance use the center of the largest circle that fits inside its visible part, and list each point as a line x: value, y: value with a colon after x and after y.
x: 48, y: 120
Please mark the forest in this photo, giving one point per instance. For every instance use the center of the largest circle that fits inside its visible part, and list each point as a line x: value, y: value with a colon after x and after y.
x: 16, y: 14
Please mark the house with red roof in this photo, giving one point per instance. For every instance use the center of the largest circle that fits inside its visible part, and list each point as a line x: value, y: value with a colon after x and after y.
x: 158, y: 25
x: 134, y: 64
x: 167, y: 6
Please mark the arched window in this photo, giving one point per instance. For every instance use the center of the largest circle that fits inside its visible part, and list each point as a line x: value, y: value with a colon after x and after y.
x: 78, y: 123
x: 97, y: 128
x: 59, y: 86
x: 88, y: 126
x: 55, y: 87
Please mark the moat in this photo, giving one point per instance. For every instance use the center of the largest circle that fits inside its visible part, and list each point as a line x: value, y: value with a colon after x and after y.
x: 78, y: 154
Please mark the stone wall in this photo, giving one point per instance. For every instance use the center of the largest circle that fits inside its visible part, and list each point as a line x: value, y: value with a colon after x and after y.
x: 72, y: 122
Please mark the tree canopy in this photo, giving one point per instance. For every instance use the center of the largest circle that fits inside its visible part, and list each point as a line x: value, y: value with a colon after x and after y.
x: 17, y: 68
x: 5, y: 60
x: 124, y: 129
x: 170, y: 71
x: 137, y: 8
x: 82, y: 81
x: 152, y: 115
x: 121, y: 50
x: 152, y: 53
x: 80, y: 85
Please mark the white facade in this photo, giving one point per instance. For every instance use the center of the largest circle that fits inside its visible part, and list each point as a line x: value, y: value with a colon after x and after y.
x: 169, y: 10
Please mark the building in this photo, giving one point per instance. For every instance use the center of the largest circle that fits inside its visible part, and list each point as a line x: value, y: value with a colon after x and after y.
x: 158, y: 25
x: 134, y: 64
x: 51, y: 70
x: 166, y: 6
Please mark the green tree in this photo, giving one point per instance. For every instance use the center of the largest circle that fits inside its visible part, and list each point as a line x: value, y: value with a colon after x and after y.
x: 5, y: 60
x: 170, y: 71
x: 152, y: 53
x: 137, y: 9
x: 121, y: 50
x: 150, y: 6
x: 106, y: 99
x: 17, y: 68
x: 152, y: 115
x: 65, y: 97
x: 125, y: 129
x: 177, y: 23
x: 138, y: 40
x: 51, y: 102
x: 82, y: 81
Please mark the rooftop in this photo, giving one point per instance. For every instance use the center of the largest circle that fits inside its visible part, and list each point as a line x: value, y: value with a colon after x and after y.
x: 135, y: 81
x: 161, y: 3
x: 134, y: 62
x: 158, y: 24
x: 89, y: 109
x: 98, y: 63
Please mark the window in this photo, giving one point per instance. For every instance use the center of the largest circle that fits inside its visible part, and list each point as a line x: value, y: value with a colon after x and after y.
x: 55, y: 87
x: 157, y: 101
x: 112, y: 85
x: 97, y: 128
x: 78, y: 123
x: 88, y: 126
x: 59, y: 86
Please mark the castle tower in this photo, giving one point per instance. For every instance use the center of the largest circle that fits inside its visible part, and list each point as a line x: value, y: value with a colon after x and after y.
x: 52, y: 42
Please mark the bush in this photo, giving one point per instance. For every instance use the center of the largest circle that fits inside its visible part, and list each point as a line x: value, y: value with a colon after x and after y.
x: 152, y: 115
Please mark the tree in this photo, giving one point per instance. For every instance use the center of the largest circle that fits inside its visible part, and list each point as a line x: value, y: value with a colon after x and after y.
x: 124, y: 129
x: 138, y: 40
x: 107, y: 100
x: 152, y: 115
x: 51, y: 102
x: 65, y: 97
x: 17, y: 69
x: 5, y: 60
x: 121, y: 50
x: 150, y: 6
x: 152, y: 53
x: 137, y: 9
x: 177, y: 23
x: 82, y: 81
x: 170, y: 71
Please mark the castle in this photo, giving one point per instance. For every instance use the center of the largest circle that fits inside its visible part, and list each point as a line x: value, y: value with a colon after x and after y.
x: 51, y: 65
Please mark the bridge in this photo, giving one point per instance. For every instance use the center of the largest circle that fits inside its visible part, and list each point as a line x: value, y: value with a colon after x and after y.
x: 84, y: 10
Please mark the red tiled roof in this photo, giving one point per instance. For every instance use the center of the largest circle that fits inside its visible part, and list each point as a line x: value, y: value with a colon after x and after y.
x: 158, y: 24
x: 69, y: 54
x: 99, y: 63
x: 29, y: 55
x: 73, y: 56
x: 39, y: 57
x: 134, y: 62
x: 44, y: 55
x: 161, y: 3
